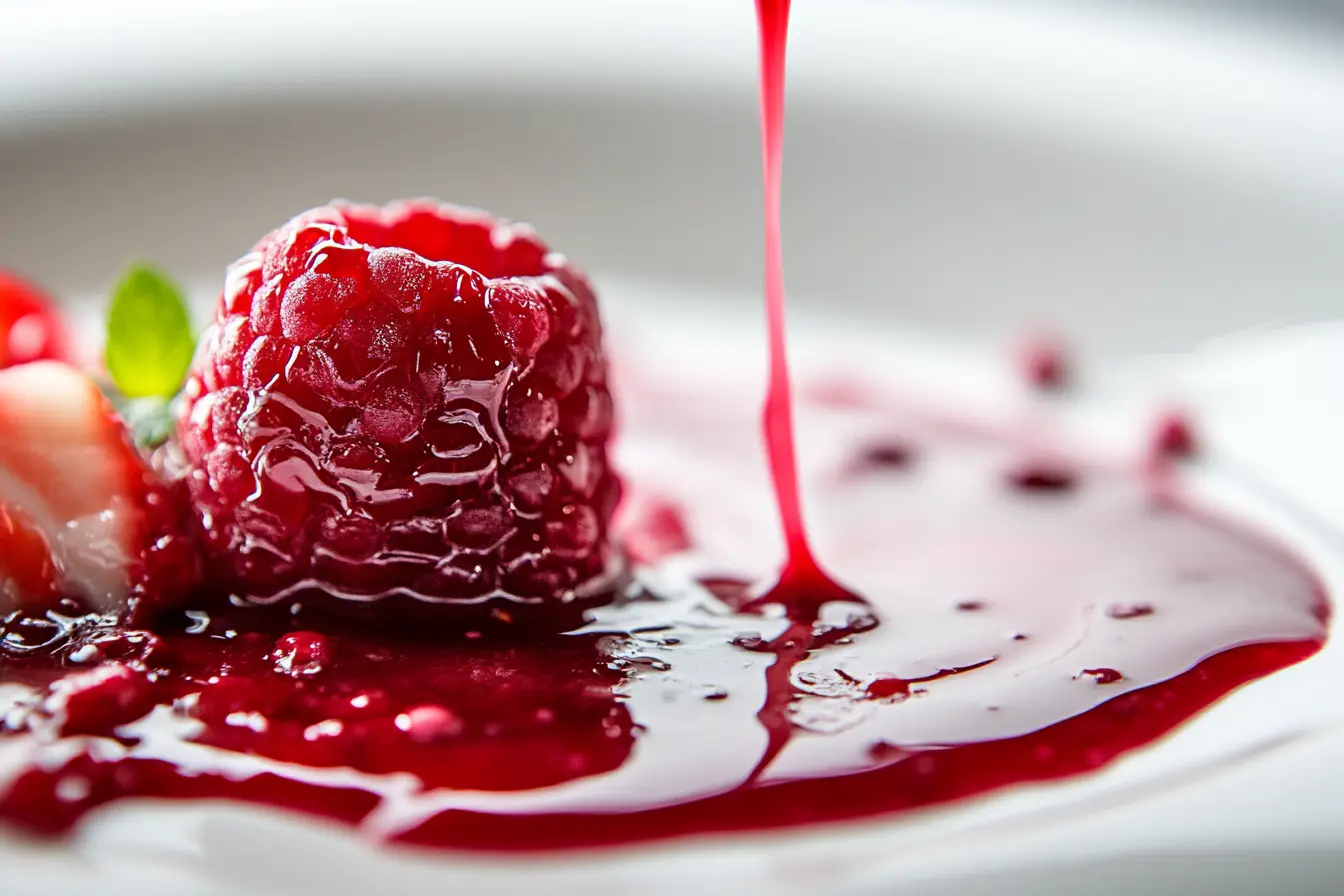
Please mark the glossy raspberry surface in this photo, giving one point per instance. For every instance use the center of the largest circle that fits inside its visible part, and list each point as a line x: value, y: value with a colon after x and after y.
x: 30, y: 329
x: 403, y: 410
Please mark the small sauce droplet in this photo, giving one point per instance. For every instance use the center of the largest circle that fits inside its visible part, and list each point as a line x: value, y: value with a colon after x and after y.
x: 1042, y: 478
x: 1173, y: 437
x: 1044, y: 363
x: 1101, y: 675
x: 884, y: 456
x: 301, y: 653
x: 1129, y: 611
x: 427, y: 724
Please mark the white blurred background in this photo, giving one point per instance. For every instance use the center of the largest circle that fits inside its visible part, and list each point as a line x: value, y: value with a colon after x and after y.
x: 1143, y: 176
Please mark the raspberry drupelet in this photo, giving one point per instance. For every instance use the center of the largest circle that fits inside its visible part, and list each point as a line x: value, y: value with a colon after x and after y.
x: 403, y: 413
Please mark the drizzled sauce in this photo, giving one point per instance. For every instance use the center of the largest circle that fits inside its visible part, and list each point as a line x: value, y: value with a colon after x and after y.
x: 803, y: 586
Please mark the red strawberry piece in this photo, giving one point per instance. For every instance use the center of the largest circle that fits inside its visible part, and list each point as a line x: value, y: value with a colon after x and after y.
x: 82, y: 517
x: 30, y: 329
x: 404, y: 411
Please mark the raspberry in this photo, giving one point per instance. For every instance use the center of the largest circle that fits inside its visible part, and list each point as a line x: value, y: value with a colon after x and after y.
x: 29, y: 328
x: 403, y: 412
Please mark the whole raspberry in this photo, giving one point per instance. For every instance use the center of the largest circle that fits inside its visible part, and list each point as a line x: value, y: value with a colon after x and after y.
x: 404, y: 411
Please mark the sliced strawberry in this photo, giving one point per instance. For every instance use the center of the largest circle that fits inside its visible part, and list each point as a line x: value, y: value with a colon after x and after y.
x: 31, y: 579
x: 80, y: 512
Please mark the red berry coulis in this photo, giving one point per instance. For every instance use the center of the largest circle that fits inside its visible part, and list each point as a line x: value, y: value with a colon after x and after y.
x: 1024, y: 637
x: 803, y: 585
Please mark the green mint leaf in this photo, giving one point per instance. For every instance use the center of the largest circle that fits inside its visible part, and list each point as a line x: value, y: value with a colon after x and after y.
x: 149, y: 341
x: 150, y: 420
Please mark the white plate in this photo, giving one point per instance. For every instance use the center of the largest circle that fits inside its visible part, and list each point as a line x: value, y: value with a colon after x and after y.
x: 1145, y: 183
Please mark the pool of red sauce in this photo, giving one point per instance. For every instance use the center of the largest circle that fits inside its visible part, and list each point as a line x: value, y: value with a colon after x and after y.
x: 1038, y: 618
x: 1030, y: 630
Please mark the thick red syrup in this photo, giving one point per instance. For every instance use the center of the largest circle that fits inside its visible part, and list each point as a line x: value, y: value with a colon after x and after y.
x: 778, y: 422
x: 1027, y: 634
x: 803, y: 586
x: 1039, y: 617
